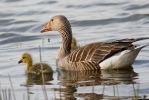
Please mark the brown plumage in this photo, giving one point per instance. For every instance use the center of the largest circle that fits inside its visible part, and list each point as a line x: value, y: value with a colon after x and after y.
x: 30, y: 68
x: 104, y: 55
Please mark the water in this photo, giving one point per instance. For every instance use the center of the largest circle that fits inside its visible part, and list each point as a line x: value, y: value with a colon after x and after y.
x: 91, y: 20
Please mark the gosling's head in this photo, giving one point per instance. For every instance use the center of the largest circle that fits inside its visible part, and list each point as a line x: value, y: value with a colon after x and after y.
x: 25, y: 58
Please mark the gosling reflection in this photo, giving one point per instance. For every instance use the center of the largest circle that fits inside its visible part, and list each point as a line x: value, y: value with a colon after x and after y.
x: 34, y: 79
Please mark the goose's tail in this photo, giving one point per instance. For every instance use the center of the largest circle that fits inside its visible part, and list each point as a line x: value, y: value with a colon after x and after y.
x: 141, y: 38
x: 132, y: 39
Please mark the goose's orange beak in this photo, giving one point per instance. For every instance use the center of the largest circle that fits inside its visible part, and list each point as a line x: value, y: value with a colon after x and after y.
x: 46, y: 28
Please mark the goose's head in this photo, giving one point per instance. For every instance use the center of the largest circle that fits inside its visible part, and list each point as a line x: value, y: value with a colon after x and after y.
x: 25, y: 58
x: 57, y: 23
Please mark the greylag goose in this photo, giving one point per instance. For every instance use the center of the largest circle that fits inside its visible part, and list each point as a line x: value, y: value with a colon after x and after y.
x: 36, y: 69
x: 94, y: 56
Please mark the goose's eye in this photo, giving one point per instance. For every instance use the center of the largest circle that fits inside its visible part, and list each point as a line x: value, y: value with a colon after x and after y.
x: 51, y: 19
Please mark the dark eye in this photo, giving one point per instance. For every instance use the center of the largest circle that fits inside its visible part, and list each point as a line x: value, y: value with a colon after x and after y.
x: 23, y: 57
x: 51, y: 19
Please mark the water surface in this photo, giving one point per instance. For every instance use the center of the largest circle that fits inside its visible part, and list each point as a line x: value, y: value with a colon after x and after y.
x: 92, y: 20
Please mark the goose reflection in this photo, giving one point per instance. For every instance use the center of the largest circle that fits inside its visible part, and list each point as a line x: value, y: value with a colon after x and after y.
x: 79, y: 78
x: 119, y: 76
x: 66, y: 92
x: 71, y: 80
x: 86, y: 78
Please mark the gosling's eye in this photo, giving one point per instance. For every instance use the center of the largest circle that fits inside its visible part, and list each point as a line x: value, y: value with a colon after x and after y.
x: 51, y: 19
x: 23, y: 57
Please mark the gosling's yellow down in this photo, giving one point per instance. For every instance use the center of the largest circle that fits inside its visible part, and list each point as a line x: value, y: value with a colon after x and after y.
x: 27, y: 58
x: 74, y: 44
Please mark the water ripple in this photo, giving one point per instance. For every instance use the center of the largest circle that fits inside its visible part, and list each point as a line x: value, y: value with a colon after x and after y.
x: 136, y: 7
x: 131, y: 18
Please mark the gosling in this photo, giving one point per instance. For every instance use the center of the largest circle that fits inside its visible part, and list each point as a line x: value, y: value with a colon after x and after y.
x: 35, y: 69
x: 74, y: 44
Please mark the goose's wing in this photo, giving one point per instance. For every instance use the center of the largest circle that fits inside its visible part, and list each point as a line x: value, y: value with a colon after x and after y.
x: 97, y: 52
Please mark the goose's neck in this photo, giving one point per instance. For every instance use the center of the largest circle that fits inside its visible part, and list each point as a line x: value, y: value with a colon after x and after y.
x: 28, y: 65
x: 66, y: 43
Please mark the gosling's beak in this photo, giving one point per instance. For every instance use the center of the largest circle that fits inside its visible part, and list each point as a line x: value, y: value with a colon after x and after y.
x: 46, y: 28
x: 20, y: 61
